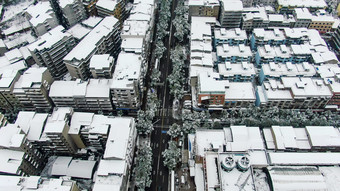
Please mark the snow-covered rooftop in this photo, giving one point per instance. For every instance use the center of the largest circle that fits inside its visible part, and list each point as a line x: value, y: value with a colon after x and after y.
x: 7, y: 77
x: 232, y: 5
x: 99, y: 62
x: 323, y: 136
x: 227, y: 51
x: 302, y: 3
x: 40, y: 12
x: 31, y: 78
x: 128, y: 69
x: 10, y: 161
x: 98, y: 88
x: 208, y: 139
x: 107, y: 4
x: 301, y: 158
x: 207, y: 84
x: 203, y: 2
x: 88, y: 45
x: 303, y: 13
x: 242, y: 138
x: 235, y: 34
x: 92, y: 22
x: 48, y: 40
x: 240, y: 91
x: 288, y: 69
x: 201, y: 27
x: 242, y: 69
x: 11, y: 136
x: 78, y: 31
x: 56, y: 122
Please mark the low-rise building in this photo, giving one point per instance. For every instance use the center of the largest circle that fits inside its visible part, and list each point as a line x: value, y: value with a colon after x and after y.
x: 231, y: 37
x: 237, y: 72
x: 50, y: 50
x: 257, y: 18
x: 240, y: 53
x: 288, y: 6
x: 8, y: 101
x: 303, y: 17
x: 104, y: 38
x: 41, y: 17
x: 322, y: 23
x: 204, y: 8
x: 73, y: 12
x: 32, y: 89
x: 101, y: 66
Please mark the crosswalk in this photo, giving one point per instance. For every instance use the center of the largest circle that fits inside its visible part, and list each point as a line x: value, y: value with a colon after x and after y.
x: 166, y: 112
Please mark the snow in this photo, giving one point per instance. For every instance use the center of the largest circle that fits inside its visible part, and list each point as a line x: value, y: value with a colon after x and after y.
x: 199, y: 177
x: 238, y: 91
x: 109, y: 167
x: 332, y: 177
x: 99, y: 62
x: 68, y: 89
x: 211, y: 171
x: 303, y: 3
x: 64, y: 3
x: 11, y: 136
x: 14, y: 55
x: 209, y: 85
x: 12, y: 10
x: 260, y: 180
x: 88, y: 45
x: 244, y: 138
x: 323, y: 136
x: 232, y: 5
x: 48, y: 40
x: 78, y: 31
x: 10, y: 160
x: 107, y: 4
x: 23, y: 120
x: 40, y: 13
x: 304, y: 158
x: 296, y: 178
x: 92, y: 22
x: 36, y: 126
x: 98, y: 88
x: 204, y: 139
x: 132, y: 45
x: 81, y: 169
x: 78, y: 120
x: 60, y: 166
x: 236, y: 69
x: 7, y: 77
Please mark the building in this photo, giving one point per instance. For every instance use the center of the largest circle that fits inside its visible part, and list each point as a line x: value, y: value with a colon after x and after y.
x: 55, y: 138
x: 75, y: 168
x: 231, y: 13
x: 3, y: 120
x: 41, y: 17
x: 322, y: 23
x: 293, y: 93
x: 237, y: 72
x: 50, y: 50
x: 73, y: 12
x: 204, y: 8
x: 14, y: 141
x: 90, y: 7
x: 117, y: 8
x: 279, y: 70
x: 32, y: 89
x: 104, y: 38
x: 254, y: 18
x: 126, y: 82
x: 101, y: 66
x: 232, y: 37
x: 288, y: 6
x: 37, y: 183
x: 303, y: 17
x: 92, y: 95
x: 336, y: 38
x: 240, y: 53
x: 8, y: 101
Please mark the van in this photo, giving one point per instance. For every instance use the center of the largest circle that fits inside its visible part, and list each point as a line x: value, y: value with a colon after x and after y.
x: 182, y: 179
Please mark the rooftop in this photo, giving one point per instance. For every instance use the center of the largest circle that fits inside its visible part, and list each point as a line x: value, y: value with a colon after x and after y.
x: 239, y: 91
x: 232, y: 5
x: 48, y: 40
x: 40, y: 12
x: 107, y: 4
x: 10, y: 161
x: 99, y: 62
x: 303, y: 3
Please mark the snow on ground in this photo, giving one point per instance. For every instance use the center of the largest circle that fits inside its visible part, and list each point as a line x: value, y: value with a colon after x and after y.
x: 260, y: 180
x: 12, y: 10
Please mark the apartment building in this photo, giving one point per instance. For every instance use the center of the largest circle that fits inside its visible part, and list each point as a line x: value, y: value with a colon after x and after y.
x: 50, y: 50
x: 237, y: 72
x: 287, y: 6
x: 336, y: 38
x: 41, y: 17
x: 294, y: 93
x: 15, y: 143
x: 90, y: 7
x: 32, y: 89
x: 116, y: 8
x: 204, y: 8
x: 231, y: 13
x: 8, y: 101
x: 92, y: 95
x: 101, y: 66
x: 240, y: 53
x: 38, y: 183
x: 55, y: 138
x: 73, y: 12
x: 279, y: 70
x: 126, y: 81
x: 322, y: 23
x: 303, y: 17
x: 254, y: 18
x: 104, y: 38
x: 232, y: 37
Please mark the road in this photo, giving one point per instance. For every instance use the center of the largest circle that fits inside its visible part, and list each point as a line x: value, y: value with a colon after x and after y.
x: 159, y: 138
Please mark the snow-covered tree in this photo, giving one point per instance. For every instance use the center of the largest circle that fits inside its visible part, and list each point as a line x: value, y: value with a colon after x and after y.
x: 175, y: 130
x: 180, y: 22
x: 155, y: 77
x: 143, y: 168
x: 171, y: 155
x: 144, y: 123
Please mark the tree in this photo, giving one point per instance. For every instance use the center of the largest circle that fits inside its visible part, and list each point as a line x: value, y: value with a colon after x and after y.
x: 171, y: 155
x: 144, y: 124
x: 143, y: 168
x: 175, y: 130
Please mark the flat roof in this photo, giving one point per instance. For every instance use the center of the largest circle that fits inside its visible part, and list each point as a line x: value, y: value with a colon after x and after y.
x: 10, y: 160
x: 109, y: 167
x: 101, y: 61
x: 323, y: 136
x: 40, y: 12
x: 238, y: 91
x: 48, y: 40
x: 285, y: 158
x: 107, y: 4
x: 232, y: 5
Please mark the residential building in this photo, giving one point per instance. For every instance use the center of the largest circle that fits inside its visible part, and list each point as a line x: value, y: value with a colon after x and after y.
x: 232, y: 37
x: 50, y: 50
x: 8, y: 101
x: 92, y: 95
x: 73, y: 12
x: 32, y: 89
x: 101, y: 66
x: 303, y: 17
x: 90, y: 7
x: 204, y: 8
x: 278, y: 20
x: 55, y: 138
x: 104, y: 38
x: 279, y: 70
x: 74, y: 168
x: 293, y: 93
x: 288, y: 6
x: 240, y: 53
x: 15, y: 143
x: 237, y: 72
x: 255, y: 18
x: 264, y: 2
x: 41, y: 17
x: 37, y: 183
x: 336, y: 38
x: 117, y: 8
x: 3, y: 120
x: 322, y: 23
x: 126, y: 82
x: 231, y: 13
